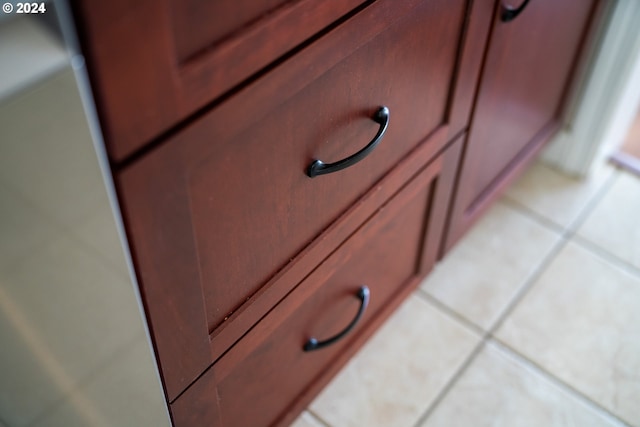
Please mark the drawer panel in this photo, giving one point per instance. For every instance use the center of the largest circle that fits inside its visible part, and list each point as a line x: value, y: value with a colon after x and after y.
x: 219, y: 209
x: 149, y: 77
x: 236, y: 19
x: 268, y: 369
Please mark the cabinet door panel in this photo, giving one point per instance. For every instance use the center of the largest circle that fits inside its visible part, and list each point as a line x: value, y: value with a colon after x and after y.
x: 527, y: 71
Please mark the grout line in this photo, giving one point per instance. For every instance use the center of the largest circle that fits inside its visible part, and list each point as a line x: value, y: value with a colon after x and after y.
x: 527, y: 285
x: 488, y: 334
x: 529, y: 281
x: 568, y: 235
x: 564, y: 386
x: 444, y: 391
x: 532, y: 215
x: 564, y: 236
x: 421, y: 293
x: 577, y: 220
x: 575, y: 224
x: 605, y: 255
x: 483, y: 335
x: 318, y: 418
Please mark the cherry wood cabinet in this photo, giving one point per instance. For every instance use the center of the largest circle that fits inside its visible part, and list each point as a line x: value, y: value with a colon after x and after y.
x: 421, y: 110
x: 223, y: 206
x: 320, y: 307
x: 527, y: 73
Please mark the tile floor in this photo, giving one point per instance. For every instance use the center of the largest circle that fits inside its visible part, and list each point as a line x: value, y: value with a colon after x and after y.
x: 532, y: 320
x: 73, y: 348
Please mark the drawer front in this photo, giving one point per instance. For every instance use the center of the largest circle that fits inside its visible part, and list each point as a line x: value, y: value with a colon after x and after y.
x: 188, y: 52
x: 193, y: 31
x: 258, y: 379
x: 216, y: 211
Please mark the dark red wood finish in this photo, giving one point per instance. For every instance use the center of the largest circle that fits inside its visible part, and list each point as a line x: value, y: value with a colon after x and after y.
x: 524, y: 80
x: 201, y: 409
x: 216, y: 211
x: 198, y: 25
x: 437, y: 224
x: 154, y: 62
x: 467, y: 74
x: 239, y: 255
x: 268, y: 367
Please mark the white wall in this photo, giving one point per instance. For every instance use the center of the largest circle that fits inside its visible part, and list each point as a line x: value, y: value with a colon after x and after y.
x: 607, y: 97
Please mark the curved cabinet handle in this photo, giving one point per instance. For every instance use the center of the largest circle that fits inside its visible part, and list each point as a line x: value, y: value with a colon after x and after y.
x: 363, y: 296
x: 509, y: 13
x: 318, y: 167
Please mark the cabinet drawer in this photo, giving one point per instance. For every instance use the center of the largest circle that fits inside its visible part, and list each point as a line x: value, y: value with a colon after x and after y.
x: 255, y: 382
x: 154, y: 63
x: 217, y: 210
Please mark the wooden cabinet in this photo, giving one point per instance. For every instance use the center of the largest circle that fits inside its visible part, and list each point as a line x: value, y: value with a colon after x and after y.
x: 240, y: 255
x: 527, y: 72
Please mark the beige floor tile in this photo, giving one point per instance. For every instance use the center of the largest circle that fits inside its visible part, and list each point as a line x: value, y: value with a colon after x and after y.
x: 485, y: 270
x: 497, y: 389
x: 100, y: 233
x: 581, y: 322
x: 22, y: 228
x: 398, y: 373
x: 63, y: 313
x: 29, y: 52
x: 614, y: 224
x: 25, y: 392
x: 125, y: 394
x: 555, y: 196
x: 306, y: 420
x: 47, y: 152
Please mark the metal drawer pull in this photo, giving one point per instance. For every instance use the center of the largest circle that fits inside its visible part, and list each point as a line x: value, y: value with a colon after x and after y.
x: 363, y: 296
x: 318, y: 167
x: 509, y: 13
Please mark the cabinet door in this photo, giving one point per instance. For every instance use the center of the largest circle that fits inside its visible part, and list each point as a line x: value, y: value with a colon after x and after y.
x: 527, y: 71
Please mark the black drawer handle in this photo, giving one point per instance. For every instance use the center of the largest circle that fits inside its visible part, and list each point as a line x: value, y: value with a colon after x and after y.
x: 318, y: 167
x: 509, y: 13
x: 363, y: 296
